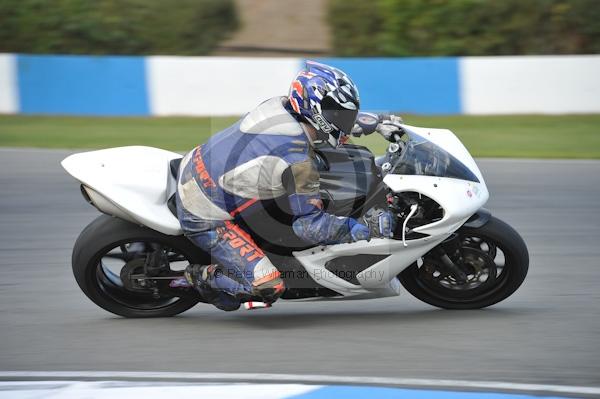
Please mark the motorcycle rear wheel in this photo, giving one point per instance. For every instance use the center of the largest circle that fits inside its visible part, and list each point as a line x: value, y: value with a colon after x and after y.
x: 109, y: 237
x: 494, y: 241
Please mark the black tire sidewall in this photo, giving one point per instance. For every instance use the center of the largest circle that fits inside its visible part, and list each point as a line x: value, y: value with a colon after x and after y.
x: 107, y: 232
x: 517, y: 259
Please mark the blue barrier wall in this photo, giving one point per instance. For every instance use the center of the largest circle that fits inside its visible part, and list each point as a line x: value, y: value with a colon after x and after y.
x: 82, y: 85
x: 413, y: 85
x: 207, y: 86
x: 85, y: 85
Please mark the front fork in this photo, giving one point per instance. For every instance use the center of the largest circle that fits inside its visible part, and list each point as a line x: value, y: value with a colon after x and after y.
x: 448, y: 250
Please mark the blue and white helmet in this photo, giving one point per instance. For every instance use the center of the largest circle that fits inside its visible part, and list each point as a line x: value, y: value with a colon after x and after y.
x: 326, y: 98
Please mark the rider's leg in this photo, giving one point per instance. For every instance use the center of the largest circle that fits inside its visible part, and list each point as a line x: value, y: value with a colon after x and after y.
x: 243, y: 270
x: 258, y: 274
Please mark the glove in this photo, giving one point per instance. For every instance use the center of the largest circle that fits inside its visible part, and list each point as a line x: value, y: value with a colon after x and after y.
x: 391, y: 119
x: 390, y: 124
x: 359, y: 231
x: 380, y: 222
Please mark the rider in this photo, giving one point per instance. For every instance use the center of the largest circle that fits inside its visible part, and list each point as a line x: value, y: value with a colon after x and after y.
x: 266, y: 155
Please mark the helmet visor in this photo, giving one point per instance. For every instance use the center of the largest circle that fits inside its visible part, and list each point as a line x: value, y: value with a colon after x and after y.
x: 343, y: 118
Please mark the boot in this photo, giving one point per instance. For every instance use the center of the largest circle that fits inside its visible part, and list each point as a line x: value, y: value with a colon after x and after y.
x: 199, y: 276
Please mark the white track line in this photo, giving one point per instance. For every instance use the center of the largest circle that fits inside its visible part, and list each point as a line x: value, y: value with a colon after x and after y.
x: 308, y: 379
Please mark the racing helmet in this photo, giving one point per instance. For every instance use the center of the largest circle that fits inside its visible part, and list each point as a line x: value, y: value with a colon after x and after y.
x: 326, y: 98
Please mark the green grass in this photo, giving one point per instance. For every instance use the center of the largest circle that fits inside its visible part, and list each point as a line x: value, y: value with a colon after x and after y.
x: 526, y: 136
x: 531, y: 136
x: 98, y: 132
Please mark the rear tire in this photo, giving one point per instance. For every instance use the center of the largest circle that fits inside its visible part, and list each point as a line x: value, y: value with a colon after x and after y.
x: 107, y: 232
x: 513, y: 272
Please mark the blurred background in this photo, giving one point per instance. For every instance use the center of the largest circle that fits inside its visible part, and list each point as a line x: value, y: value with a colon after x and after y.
x: 512, y: 78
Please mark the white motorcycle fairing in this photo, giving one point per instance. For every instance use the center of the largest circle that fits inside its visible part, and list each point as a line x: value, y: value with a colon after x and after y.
x: 460, y: 199
x: 132, y: 183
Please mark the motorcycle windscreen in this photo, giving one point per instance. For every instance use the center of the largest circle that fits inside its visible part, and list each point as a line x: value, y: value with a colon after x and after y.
x: 422, y: 157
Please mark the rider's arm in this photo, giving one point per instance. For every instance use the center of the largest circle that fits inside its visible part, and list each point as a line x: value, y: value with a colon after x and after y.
x: 311, y: 223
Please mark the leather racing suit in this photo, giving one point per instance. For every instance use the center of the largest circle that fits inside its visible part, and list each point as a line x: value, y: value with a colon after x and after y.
x: 265, y: 155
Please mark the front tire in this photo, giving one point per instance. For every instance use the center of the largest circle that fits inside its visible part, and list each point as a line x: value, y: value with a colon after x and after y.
x: 106, y: 289
x: 495, y: 242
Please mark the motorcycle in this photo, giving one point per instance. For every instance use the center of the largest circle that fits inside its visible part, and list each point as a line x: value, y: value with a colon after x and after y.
x: 447, y: 250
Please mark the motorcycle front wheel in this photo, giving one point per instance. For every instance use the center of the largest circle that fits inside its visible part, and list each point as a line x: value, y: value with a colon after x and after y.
x: 111, y: 266
x: 494, y: 258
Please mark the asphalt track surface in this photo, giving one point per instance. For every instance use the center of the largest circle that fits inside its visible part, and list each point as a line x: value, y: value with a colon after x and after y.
x: 546, y: 333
